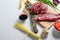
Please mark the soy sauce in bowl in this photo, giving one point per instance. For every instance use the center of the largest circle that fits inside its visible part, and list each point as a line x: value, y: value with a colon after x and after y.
x: 23, y: 17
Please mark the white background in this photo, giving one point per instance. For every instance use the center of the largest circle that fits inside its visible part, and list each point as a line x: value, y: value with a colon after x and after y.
x: 8, y: 16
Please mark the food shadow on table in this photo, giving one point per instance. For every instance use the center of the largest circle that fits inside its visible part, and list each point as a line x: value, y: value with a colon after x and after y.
x: 55, y: 34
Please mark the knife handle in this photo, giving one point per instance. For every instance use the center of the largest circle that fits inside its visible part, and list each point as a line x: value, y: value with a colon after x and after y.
x: 35, y: 30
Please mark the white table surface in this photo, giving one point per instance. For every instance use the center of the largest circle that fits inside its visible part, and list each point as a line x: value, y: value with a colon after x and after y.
x: 8, y: 16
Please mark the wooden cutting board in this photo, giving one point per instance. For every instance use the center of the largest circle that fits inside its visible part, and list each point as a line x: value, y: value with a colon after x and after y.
x: 44, y: 24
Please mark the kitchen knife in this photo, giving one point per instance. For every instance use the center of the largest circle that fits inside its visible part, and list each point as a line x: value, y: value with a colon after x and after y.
x: 33, y: 23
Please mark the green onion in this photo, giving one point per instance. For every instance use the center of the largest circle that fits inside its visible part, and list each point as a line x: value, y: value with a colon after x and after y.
x: 48, y: 2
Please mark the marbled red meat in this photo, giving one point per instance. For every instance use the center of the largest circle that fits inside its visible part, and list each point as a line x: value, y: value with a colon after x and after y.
x: 38, y: 7
x: 48, y: 17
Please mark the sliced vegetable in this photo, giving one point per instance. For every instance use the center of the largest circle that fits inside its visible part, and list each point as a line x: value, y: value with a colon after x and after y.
x: 48, y: 2
x: 26, y: 30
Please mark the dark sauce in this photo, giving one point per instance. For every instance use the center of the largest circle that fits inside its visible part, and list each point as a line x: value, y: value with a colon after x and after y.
x: 23, y: 17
